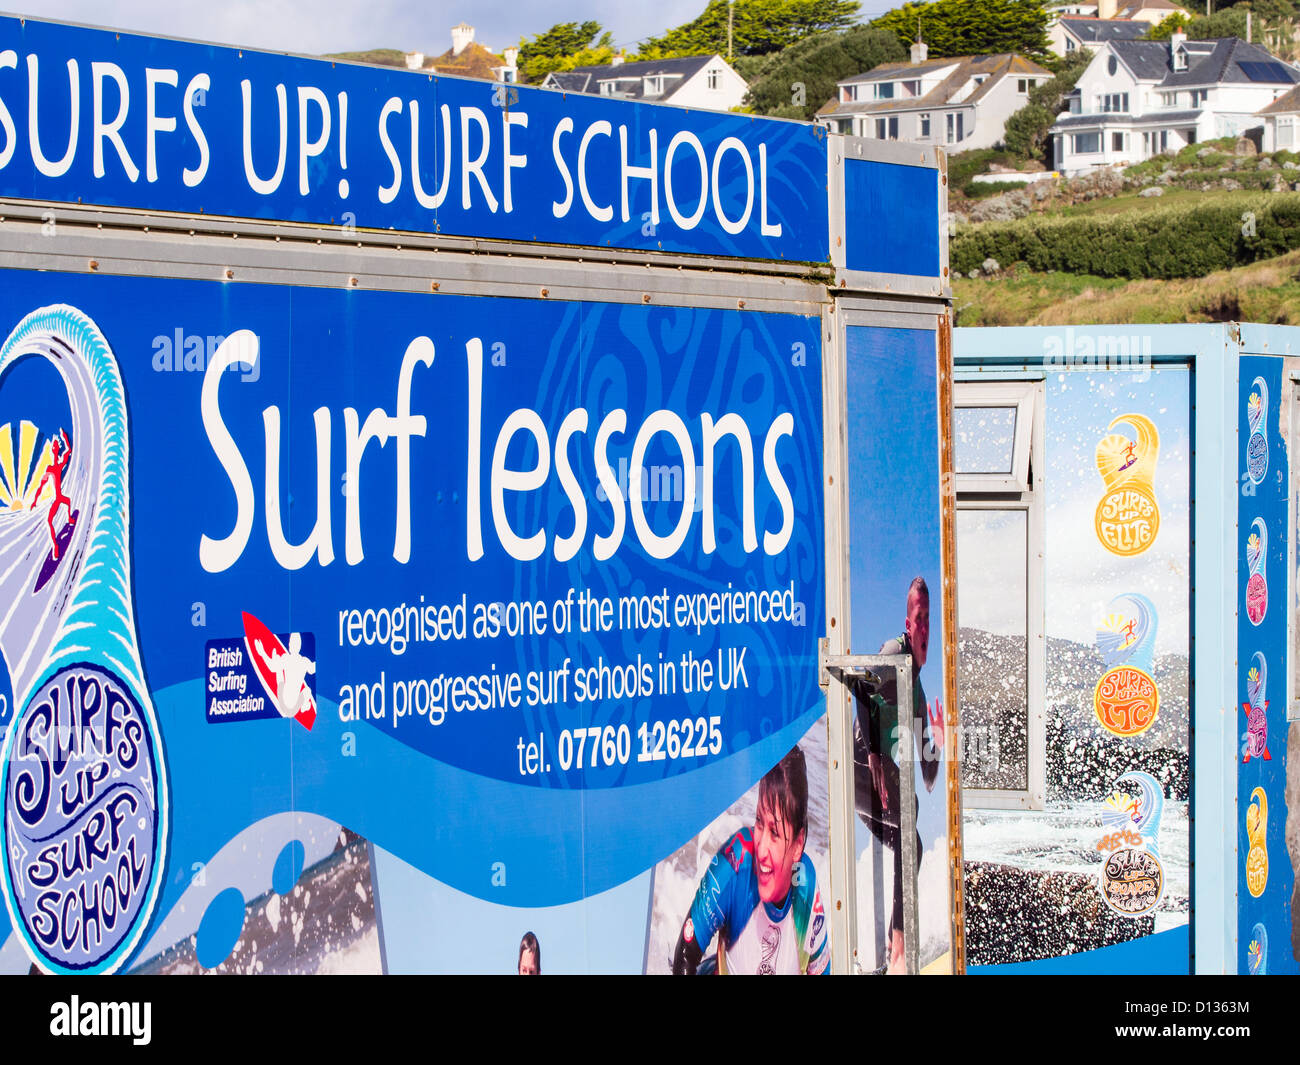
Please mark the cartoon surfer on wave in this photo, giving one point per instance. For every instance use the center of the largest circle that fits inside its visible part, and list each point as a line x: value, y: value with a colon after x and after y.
x: 59, y: 459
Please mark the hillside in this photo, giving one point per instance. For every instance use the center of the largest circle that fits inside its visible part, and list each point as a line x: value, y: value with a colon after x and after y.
x: 1208, y: 234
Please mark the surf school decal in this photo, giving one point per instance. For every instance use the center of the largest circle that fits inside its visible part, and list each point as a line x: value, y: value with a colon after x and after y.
x: 1257, y: 856
x: 1132, y: 878
x: 1257, y: 442
x: 1254, y: 741
x: 1126, y: 699
x: 1128, y: 516
x: 1257, y: 952
x: 84, y: 787
x: 1257, y: 585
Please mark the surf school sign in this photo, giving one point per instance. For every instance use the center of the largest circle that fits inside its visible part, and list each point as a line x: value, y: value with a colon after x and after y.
x: 91, y: 116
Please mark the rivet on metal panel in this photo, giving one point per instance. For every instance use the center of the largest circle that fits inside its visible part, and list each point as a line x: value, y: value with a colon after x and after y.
x: 435, y: 286
x: 945, y: 179
x: 830, y: 479
x: 945, y: 271
x: 645, y: 297
x: 838, y: 904
x: 839, y: 241
x: 230, y: 274
x: 740, y: 304
x: 832, y: 623
x: 835, y: 763
x: 94, y: 264
x: 545, y: 292
x: 843, y: 283
x: 352, y: 281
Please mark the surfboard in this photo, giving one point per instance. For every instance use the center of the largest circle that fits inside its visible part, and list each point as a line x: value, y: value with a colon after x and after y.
x: 63, y: 537
x: 261, y: 644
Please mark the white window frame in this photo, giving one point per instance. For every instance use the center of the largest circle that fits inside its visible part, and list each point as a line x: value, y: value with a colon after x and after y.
x: 715, y: 79
x: 923, y: 125
x: 1001, y: 493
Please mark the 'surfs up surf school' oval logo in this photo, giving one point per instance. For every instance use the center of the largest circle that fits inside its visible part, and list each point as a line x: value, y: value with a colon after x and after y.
x: 1257, y: 835
x: 1254, y: 741
x: 1128, y: 516
x: 1132, y: 878
x: 85, y: 800
x: 1257, y: 442
x: 1126, y: 699
x: 1257, y: 583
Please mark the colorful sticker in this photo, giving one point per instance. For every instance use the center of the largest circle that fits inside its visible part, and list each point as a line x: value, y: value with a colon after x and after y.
x: 1132, y: 878
x: 1254, y: 741
x: 1257, y: 585
x: 1128, y: 516
x: 1257, y: 952
x: 82, y: 779
x: 1126, y: 699
x: 1257, y: 856
x: 1257, y: 443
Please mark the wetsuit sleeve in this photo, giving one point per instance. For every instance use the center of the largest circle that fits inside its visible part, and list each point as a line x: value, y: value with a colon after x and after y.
x: 714, y: 902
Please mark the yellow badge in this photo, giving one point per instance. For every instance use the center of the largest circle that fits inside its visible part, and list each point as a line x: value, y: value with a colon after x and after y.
x: 1128, y: 516
x: 1257, y: 856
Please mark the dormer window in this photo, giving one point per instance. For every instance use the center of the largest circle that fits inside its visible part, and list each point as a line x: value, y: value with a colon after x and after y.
x: 885, y: 90
x: 1180, y: 59
x: 654, y: 86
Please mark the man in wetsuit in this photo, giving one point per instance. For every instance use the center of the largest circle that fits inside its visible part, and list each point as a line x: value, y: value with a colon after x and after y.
x: 759, y: 895
x: 876, y: 775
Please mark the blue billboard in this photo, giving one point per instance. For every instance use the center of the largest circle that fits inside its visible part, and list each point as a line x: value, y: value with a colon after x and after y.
x: 511, y: 597
x: 96, y: 117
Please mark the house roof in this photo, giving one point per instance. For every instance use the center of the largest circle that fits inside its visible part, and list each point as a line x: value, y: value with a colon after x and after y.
x: 993, y: 67
x: 1148, y: 5
x: 1223, y: 60
x: 1284, y: 104
x: 1112, y: 118
x: 588, y: 79
x: 474, y: 61
x: 1097, y: 30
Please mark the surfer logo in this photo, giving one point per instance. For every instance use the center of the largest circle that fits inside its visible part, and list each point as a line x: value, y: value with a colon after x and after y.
x: 282, y: 671
x: 54, y: 475
x: 770, y: 945
x: 1128, y: 516
x: 1126, y: 699
x: 1254, y: 741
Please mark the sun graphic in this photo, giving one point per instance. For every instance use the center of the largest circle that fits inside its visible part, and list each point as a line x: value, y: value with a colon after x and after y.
x: 1252, y: 544
x: 1253, y: 403
x: 24, y: 454
x: 1253, y: 675
x: 1121, y: 802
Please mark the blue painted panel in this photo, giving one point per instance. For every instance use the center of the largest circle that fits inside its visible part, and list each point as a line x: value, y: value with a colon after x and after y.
x: 892, y: 218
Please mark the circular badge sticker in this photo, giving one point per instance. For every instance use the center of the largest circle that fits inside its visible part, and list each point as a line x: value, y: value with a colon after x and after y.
x: 1257, y: 457
x: 1256, y: 598
x: 81, y: 821
x: 1126, y: 701
x: 1127, y: 520
x: 1132, y: 881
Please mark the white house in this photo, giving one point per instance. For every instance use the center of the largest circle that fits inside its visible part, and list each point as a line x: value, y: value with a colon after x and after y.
x: 1137, y: 99
x: 961, y: 103
x: 1281, y: 121
x: 704, y: 81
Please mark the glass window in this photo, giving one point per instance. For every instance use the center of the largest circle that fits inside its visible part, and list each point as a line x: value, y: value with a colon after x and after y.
x: 885, y: 90
x: 1086, y: 143
x: 925, y: 127
x: 1117, y: 142
x: 715, y: 77
x: 997, y: 432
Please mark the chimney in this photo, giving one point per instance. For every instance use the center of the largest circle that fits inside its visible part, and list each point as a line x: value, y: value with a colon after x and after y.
x: 510, y: 55
x: 618, y: 60
x: 1106, y: 8
x: 919, y: 51
x: 462, y: 37
x: 414, y: 60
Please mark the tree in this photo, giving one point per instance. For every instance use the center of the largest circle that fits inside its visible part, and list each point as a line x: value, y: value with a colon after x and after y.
x: 1027, y: 130
x: 758, y: 27
x: 802, y: 77
x: 971, y: 27
x: 563, y: 47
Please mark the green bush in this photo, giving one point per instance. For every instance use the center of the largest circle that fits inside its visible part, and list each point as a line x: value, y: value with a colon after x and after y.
x: 982, y: 190
x: 1163, y: 242
x: 965, y: 165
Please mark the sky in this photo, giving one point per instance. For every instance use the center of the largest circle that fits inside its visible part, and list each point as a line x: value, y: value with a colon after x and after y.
x: 314, y: 27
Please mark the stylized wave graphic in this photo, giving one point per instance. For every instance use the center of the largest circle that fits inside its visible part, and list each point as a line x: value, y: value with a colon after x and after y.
x: 64, y: 621
x: 76, y: 612
x: 1257, y: 680
x: 1116, y: 641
